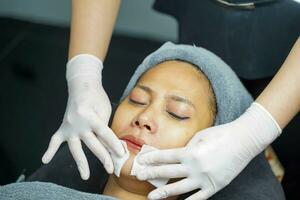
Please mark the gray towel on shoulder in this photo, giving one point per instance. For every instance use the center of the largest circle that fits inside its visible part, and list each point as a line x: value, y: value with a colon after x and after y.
x: 41, y: 190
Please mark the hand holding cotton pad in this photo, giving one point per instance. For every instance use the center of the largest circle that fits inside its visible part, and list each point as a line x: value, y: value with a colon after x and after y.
x: 120, y: 161
x: 136, y: 167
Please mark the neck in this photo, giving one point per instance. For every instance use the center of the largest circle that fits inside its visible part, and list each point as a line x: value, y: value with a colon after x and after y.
x: 119, y: 190
x: 129, y: 188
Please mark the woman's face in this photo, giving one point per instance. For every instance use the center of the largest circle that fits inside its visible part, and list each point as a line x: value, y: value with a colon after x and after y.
x: 168, y: 105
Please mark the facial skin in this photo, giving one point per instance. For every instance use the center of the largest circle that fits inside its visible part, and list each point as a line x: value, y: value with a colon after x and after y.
x: 170, y: 89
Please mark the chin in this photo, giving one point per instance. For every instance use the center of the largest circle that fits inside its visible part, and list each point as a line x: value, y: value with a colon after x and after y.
x: 128, y: 165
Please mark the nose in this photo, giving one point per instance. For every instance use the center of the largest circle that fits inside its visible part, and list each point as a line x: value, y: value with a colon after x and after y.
x: 145, y: 120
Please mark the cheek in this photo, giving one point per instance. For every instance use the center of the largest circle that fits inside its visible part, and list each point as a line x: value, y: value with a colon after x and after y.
x: 173, y: 136
x: 122, y: 119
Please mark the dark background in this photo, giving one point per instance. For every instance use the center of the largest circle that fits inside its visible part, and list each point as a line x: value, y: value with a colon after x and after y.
x: 34, y: 95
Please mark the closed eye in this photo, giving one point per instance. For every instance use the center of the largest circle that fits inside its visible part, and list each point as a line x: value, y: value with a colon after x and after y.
x: 177, y: 117
x: 170, y: 113
x: 136, y: 102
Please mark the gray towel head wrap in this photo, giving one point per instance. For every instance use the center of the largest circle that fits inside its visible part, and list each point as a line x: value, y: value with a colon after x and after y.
x: 232, y: 98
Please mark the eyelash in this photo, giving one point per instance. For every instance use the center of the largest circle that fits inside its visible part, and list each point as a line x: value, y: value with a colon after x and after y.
x: 170, y: 113
x: 135, y: 102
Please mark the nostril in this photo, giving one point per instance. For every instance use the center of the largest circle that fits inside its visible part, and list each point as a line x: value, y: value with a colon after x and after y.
x: 148, y: 127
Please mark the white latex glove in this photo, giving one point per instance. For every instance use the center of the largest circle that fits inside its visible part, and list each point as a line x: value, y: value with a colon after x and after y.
x: 213, y: 157
x: 86, y: 117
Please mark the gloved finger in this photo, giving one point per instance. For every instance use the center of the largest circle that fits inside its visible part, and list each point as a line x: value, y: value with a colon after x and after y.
x: 172, y: 189
x: 103, y: 112
x: 199, y: 137
x: 99, y: 150
x: 163, y: 171
x: 201, y: 195
x: 107, y: 136
x: 162, y: 156
x: 54, y: 145
x: 79, y: 157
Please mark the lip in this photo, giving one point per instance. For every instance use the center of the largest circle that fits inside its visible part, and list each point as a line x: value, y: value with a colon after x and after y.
x: 133, y: 142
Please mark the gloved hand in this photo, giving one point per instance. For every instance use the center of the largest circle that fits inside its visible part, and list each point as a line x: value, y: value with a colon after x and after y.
x: 86, y: 117
x: 213, y: 157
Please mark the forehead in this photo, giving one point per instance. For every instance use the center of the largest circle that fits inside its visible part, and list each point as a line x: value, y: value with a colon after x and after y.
x: 170, y: 68
x: 177, y: 77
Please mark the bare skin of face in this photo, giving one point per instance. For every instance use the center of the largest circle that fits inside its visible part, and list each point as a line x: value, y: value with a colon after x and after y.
x: 168, y: 105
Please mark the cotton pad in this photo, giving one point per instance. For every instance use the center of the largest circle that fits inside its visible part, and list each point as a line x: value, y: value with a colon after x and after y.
x: 120, y: 161
x: 136, y: 167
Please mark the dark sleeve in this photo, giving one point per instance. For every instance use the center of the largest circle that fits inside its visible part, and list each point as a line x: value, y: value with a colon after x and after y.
x: 62, y: 170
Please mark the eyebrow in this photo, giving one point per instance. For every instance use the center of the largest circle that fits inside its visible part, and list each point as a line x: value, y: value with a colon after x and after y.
x: 173, y: 97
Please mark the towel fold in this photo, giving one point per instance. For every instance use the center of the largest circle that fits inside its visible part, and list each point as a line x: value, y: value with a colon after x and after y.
x: 41, y: 190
